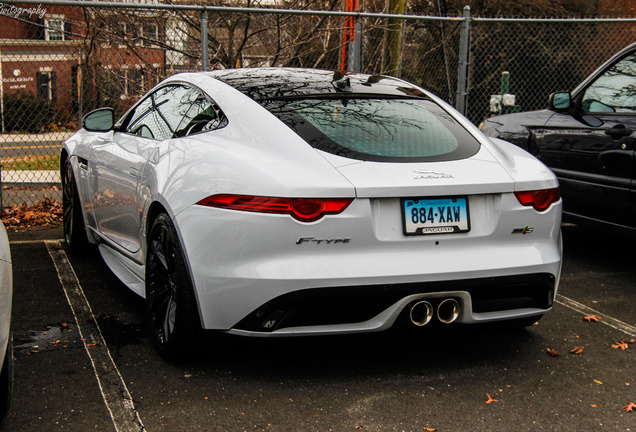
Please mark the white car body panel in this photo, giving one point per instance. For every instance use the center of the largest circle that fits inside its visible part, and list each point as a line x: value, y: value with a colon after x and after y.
x: 377, y: 254
x: 471, y: 176
x: 239, y: 261
x: 6, y: 293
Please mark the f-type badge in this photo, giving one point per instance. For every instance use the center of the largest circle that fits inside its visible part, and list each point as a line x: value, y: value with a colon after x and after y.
x: 525, y: 230
x: 424, y: 174
x: 313, y: 240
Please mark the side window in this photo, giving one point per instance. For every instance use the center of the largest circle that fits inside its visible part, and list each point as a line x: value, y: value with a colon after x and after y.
x: 202, y: 116
x: 158, y: 116
x: 614, y: 90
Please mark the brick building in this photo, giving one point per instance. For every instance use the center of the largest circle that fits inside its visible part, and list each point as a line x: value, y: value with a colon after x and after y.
x: 65, y: 61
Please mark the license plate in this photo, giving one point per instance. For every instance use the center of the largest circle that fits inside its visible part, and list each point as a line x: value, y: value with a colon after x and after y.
x: 423, y: 216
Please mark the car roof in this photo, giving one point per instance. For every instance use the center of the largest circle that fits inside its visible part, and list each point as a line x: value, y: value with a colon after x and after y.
x: 272, y: 83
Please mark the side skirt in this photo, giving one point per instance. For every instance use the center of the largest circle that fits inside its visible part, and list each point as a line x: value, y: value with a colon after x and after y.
x: 125, y: 269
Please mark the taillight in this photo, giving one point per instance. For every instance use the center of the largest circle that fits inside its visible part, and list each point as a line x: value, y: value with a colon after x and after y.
x: 540, y: 200
x: 302, y: 209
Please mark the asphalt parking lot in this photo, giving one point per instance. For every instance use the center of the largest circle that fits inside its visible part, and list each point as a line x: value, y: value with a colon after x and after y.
x: 84, y: 361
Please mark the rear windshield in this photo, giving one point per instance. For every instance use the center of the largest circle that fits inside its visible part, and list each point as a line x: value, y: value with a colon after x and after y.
x: 396, y: 130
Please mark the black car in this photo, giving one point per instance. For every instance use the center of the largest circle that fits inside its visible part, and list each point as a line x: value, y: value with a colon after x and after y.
x: 588, y: 138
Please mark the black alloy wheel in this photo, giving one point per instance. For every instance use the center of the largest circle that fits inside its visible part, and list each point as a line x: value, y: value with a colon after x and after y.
x: 73, y: 220
x: 171, y: 307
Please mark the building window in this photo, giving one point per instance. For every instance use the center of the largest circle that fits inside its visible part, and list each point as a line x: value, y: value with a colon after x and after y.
x: 141, y: 33
x: 151, y: 31
x: 56, y: 28
x: 47, y: 87
x: 132, y: 82
x: 131, y: 32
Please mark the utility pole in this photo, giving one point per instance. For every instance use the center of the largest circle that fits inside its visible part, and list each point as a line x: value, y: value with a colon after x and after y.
x: 394, y: 36
x: 463, y: 63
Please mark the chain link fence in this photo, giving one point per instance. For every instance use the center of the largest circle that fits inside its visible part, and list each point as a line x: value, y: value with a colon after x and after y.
x: 60, y: 61
x: 541, y: 57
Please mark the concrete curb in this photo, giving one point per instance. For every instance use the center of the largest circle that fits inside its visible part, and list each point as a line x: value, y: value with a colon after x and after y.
x: 31, y: 177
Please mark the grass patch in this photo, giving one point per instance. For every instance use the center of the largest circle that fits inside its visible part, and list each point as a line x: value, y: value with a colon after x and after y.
x: 31, y: 163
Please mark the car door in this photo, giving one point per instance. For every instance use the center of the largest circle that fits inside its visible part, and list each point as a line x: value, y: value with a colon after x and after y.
x: 120, y: 160
x: 591, y: 148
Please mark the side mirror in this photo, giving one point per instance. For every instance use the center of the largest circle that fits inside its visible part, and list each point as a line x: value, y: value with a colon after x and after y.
x: 99, y: 120
x: 560, y: 101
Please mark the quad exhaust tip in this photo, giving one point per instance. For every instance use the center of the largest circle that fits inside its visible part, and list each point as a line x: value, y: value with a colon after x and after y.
x: 447, y: 312
x: 421, y: 313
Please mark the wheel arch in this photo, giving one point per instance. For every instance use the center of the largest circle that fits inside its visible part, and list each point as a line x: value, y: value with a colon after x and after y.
x: 63, y: 157
x: 154, y: 210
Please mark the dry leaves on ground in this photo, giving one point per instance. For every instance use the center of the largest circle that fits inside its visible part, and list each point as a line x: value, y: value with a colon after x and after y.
x: 621, y: 345
x: 630, y: 407
x: 552, y: 352
x: 42, y: 214
x: 577, y: 350
x: 490, y: 399
x: 592, y: 318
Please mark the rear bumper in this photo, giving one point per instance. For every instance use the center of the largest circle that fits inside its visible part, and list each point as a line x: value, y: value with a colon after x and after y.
x: 245, y: 265
x: 376, y: 308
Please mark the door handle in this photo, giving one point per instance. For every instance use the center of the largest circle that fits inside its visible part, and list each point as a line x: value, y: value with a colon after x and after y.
x: 133, y: 173
x: 618, y: 131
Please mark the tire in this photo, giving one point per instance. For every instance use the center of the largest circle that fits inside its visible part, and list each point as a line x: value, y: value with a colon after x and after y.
x: 73, y: 219
x: 6, y: 380
x: 171, y: 308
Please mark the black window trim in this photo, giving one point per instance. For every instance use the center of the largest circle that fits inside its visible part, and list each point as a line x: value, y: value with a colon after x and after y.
x: 580, y: 91
x: 122, y: 124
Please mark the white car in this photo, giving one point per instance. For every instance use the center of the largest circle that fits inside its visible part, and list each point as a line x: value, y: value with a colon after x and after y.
x: 291, y: 202
x: 6, y: 341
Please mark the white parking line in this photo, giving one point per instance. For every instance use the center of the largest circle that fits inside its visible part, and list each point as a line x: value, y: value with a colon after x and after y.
x: 112, y: 386
x: 605, y: 319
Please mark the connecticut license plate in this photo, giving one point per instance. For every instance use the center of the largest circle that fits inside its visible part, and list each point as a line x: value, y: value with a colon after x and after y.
x: 435, y: 215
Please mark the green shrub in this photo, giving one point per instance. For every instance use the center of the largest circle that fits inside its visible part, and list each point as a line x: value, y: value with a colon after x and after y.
x: 24, y: 112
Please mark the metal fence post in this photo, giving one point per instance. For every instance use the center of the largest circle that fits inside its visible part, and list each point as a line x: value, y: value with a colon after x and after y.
x: 205, y: 62
x: 464, y: 63
x: 355, y: 54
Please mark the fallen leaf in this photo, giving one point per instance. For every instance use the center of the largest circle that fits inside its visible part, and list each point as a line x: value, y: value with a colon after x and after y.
x: 553, y: 353
x: 591, y: 318
x: 430, y: 429
x: 598, y: 382
x: 490, y: 399
x: 630, y: 407
x: 43, y: 213
x: 577, y: 350
x: 620, y: 344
